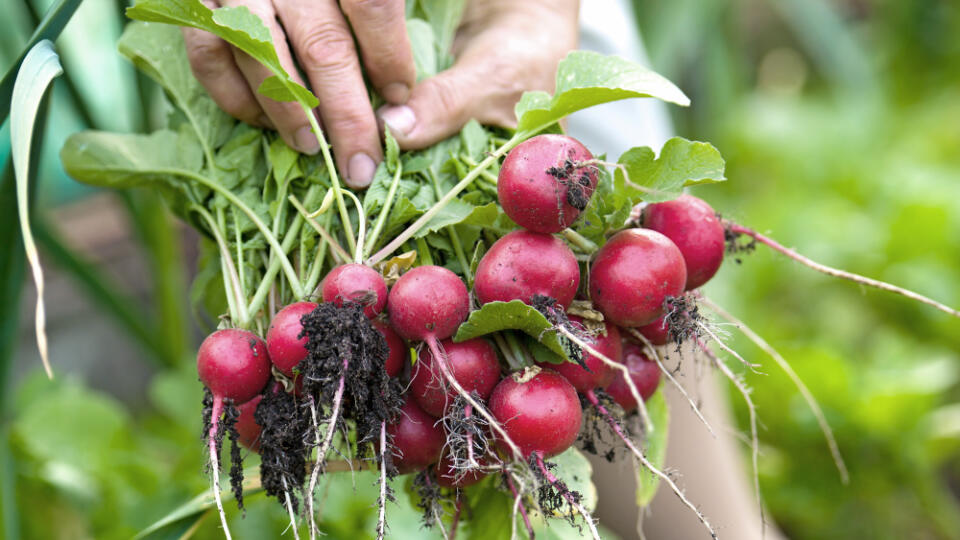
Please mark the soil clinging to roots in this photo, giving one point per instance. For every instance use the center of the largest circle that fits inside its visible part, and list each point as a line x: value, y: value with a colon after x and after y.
x: 283, y: 452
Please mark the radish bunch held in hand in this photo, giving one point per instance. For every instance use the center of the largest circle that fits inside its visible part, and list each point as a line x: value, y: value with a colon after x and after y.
x: 487, y: 308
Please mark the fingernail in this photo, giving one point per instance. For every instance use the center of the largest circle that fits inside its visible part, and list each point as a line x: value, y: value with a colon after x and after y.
x: 264, y: 121
x: 306, y: 141
x: 395, y: 93
x: 360, y: 170
x: 399, y: 119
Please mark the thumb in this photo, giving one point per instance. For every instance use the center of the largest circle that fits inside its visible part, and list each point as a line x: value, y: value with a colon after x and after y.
x: 439, y: 107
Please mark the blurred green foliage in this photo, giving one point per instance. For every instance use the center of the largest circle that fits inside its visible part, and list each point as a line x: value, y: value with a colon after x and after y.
x: 839, y: 122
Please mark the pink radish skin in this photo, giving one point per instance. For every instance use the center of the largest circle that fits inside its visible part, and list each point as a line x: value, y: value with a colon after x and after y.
x: 473, y: 364
x: 534, y: 198
x: 541, y: 414
x: 233, y: 364
x: 428, y: 302
x: 247, y: 427
x: 696, y: 230
x: 284, y: 344
x: 356, y: 283
x: 633, y: 273
x: 644, y: 372
x: 523, y: 264
x: 600, y: 374
x: 417, y: 439
x: 656, y: 332
x: 398, y: 349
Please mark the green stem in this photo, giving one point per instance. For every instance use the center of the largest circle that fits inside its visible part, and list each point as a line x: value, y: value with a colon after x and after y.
x: 270, y: 238
x: 361, y: 225
x: 239, y: 242
x: 385, y: 211
x: 581, y: 242
x: 454, y: 237
x: 423, y: 251
x: 334, y: 179
x: 337, y: 248
x: 256, y: 303
x: 515, y: 365
x: 317, y: 265
x: 230, y: 280
x: 451, y: 195
x: 517, y: 349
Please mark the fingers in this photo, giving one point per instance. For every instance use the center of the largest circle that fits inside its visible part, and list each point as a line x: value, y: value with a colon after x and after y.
x: 212, y: 64
x: 324, y: 45
x: 475, y: 87
x: 288, y: 117
x: 381, y: 31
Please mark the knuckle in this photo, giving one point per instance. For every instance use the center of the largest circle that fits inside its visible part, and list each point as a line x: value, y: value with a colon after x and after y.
x: 208, y: 59
x: 326, y: 46
x: 367, y: 6
x: 448, y: 97
x: 353, y: 121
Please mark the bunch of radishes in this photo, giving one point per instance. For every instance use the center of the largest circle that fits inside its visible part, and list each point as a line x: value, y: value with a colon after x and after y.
x: 335, y: 368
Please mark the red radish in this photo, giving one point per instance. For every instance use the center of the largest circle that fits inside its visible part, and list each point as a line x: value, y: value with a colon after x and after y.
x: 473, y: 363
x: 657, y: 332
x: 523, y: 264
x: 284, y: 342
x: 600, y: 374
x: 539, y: 410
x: 696, y: 230
x: 417, y: 439
x: 233, y: 364
x: 449, y: 477
x: 541, y: 186
x: 633, y: 273
x: 398, y: 349
x: 644, y: 372
x: 428, y: 303
x: 356, y: 283
x: 247, y: 427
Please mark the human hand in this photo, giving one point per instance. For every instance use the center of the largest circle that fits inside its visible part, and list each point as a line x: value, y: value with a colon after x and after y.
x: 317, y: 32
x: 503, y: 48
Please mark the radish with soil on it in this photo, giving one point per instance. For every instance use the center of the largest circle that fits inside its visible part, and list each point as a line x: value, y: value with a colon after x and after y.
x: 594, y: 373
x: 417, y: 438
x: 523, y: 265
x: 233, y: 365
x: 427, y: 304
x: 356, y: 283
x: 286, y: 343
x: 539, y: 409
x: 545, y: 182
x: 473, y: 364
x: 247, y: 427
x: 632, y: 275
x: 644, y: 372
x: 695, y: 229
x: 398, y: 349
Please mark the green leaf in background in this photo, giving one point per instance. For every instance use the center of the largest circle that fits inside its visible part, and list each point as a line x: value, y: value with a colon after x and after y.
x: 474, y: 139
x: 36, y: 73
x: 239, y: 27
x: 681, y: 163
x: 585, y: 79
x: 513, y: 315
x: 451, y: 214
x: 576, y: 472
x: 116, y: 160
x: 444, y: 17
x: 158, y: 51
x: 654, y: 447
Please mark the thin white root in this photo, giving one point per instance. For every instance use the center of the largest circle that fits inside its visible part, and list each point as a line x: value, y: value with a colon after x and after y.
x: 835, y: 272
x: 666, y: 373
x: 215, y: 464
x: 289, y: 505
x: 804, y: 391
x: 313, y: 473
x: 650, y: 466
x: 726, y: 348
x: 754, y: 440
x: 442, y: 362
x: 570, y: 500
x: 382, y: 520
x: 634, y: 392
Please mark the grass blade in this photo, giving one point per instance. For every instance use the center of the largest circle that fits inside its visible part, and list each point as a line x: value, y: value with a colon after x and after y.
x: 36, y: 73
x: 50, y: 27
